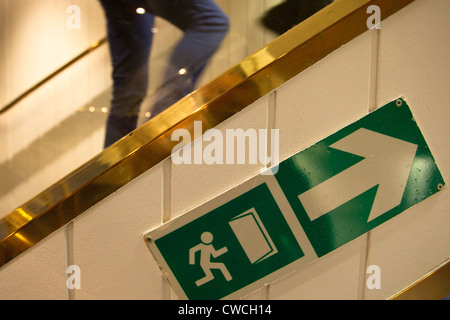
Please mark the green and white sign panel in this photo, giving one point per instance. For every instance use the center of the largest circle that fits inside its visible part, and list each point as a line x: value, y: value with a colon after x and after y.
x: 319, y: 199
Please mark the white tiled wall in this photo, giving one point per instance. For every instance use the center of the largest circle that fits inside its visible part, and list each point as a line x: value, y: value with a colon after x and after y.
x: 409, y: 58
x: 40, y: 274
x: 115, y: 228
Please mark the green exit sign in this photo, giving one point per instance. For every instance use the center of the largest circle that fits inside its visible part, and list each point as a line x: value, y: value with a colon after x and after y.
x: 319, y: 199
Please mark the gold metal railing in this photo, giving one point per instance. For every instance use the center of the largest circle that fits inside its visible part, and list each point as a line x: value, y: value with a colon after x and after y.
x: 252, y: 78
x: 52, y: 75
x: 435, y: 285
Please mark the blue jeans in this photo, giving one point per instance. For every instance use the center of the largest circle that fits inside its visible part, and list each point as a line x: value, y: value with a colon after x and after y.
x: 204, y: 26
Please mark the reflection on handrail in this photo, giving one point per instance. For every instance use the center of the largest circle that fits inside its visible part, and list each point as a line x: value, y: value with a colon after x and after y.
x: 52, y: 75
x: 237, y: 88
x: 433, y: 286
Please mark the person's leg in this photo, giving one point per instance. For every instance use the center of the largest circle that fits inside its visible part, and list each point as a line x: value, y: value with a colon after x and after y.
x: 130, y: 38
x: 204, y: 26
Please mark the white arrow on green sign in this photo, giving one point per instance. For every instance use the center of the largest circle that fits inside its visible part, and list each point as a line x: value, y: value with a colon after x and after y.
x: 320, y: 199
x: 387, y: 164
x: 360, y: 177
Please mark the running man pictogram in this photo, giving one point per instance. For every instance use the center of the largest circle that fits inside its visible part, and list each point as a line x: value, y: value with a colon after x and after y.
x: 206, y: 251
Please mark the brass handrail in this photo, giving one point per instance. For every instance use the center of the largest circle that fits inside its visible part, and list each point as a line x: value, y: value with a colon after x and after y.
x: 52, y: 75
x: 435, y: 285
x: 252, y: 78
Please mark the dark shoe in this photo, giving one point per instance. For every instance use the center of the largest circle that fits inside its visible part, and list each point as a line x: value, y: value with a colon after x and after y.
x: 288, y: 14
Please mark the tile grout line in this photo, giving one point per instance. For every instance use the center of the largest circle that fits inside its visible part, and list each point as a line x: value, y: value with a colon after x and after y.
x: 70, y: 256
x: 271, y: 124
x: 373, y: 105
x: 166, y: 214
x: 374, y: 69
x: 167, y: 191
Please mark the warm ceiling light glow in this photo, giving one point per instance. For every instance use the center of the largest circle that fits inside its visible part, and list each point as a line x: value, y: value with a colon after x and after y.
x: 140, y: 10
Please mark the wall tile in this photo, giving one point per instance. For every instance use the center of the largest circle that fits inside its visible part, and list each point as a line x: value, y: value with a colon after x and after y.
x: 194, y: 184
x: 108, y: 245
x: 324, y: 98
x: 38, y: 274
